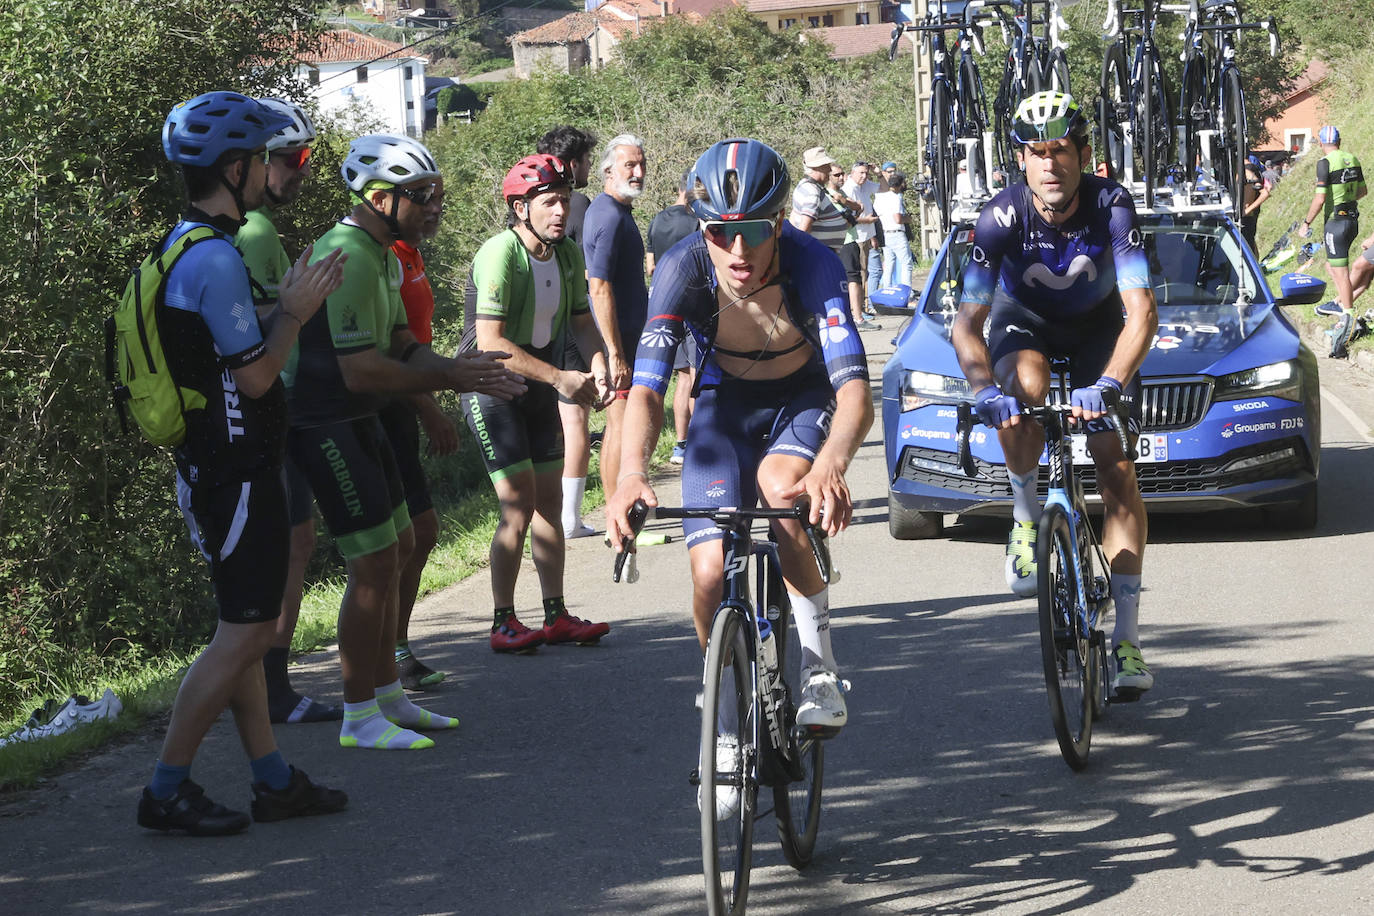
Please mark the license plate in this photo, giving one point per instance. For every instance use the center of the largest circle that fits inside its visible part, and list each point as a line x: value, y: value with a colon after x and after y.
x: 1150, y: 448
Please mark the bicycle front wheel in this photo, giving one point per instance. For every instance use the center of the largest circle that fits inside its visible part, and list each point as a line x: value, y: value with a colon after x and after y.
x: 728, y: 789
x: 942, y: 151
x: 1064, y: 647
x: 797, y: 804
x: 1233, y: 140
x: 1113, y: 105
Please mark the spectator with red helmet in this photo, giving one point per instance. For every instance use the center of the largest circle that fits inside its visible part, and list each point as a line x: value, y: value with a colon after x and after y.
x: 531, y: 284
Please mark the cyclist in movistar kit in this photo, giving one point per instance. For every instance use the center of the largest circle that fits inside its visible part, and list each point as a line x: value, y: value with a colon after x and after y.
x: 531, y: 283
x: 1055, y: 261
x: 784, y: 398
x: 1340, y: 182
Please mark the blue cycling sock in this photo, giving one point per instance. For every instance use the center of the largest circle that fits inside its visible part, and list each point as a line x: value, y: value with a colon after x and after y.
x: 166, y: 779
x: 272, y: 770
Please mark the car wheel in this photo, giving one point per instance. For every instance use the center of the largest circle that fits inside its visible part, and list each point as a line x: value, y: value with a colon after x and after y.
x: 1298, y: 516
x: 912, y: 524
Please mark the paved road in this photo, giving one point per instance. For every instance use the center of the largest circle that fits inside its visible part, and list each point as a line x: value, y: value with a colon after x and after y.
x: 1244, y: 778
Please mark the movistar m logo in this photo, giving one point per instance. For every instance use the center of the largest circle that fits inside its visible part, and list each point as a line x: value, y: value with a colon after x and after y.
x: 1041, y: 275
x: 1004, y: 216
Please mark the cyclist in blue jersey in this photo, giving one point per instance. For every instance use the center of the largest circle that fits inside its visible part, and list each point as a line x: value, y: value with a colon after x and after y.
x: 1056, y: 261
x: 783, y: 400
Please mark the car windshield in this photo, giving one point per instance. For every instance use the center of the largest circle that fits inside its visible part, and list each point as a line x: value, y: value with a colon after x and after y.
x: 1194, y: 261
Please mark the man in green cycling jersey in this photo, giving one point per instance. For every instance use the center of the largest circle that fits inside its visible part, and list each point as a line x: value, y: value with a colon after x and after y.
x: 1340, y: 182
x: 353, y: 355
x: 288, y: 166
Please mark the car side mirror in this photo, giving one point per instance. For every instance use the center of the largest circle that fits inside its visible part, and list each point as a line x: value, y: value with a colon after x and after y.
x: 1300, y: 289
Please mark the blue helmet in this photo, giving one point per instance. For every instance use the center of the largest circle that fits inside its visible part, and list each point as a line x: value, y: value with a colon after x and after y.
x: 740, y: 179
x: 1329, y: 135
x: 200, y: 130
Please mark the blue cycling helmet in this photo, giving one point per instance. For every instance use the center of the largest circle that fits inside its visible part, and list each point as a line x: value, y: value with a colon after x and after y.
x: 199, y: 131
x: 1329, y: 135
x: 738, y: 179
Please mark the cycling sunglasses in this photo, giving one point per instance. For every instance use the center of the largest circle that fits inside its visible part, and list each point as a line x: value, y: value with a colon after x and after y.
x: 1053, y: 129
x: 295, y: 158
x: 419, y: 196
x: 754, y: 232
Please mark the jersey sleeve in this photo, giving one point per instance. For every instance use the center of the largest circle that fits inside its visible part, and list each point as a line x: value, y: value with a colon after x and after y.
x: 821, y: 285
x: 598, y: 244
x: 493, y: 271
x: 1128, y: 245
x: 209, y: 279
x: 679, y: 277
x: 997, y: 228
x: 1323, y: 175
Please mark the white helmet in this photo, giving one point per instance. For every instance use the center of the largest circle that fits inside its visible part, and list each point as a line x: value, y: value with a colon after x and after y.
x: 386, y: 157
x: 299, y: 134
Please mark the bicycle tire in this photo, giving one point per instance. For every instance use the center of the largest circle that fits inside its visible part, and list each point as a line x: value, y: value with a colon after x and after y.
x: 1143, y: 131
x: 1194, y: 114
x: 1233, y: 134
x: 727, y: 846
x: 1101, y: 662
x: 1064, y: 649
x: 941, y: 152
x: 973, y: 113
x: 1161, y: 125
x: 1112, y: 103
x: 1057, y: 71
x: 797, y: 805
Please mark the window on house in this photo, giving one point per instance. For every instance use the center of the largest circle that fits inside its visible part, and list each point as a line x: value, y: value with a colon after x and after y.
x: 410, y: 106
x: 362, y: 74
x: 827, y: 20
x: 786, y: 23
x: 409, y: 73
x: 1298, y: 140
x: 861, y: 19
x: 312, y: 76
x: 815, y: 21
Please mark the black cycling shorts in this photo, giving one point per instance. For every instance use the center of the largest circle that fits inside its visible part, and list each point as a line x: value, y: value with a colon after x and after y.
x: 300, y: 499
x: 401, y: 423
x: 1339, y: 234
x: 243, y: 529
x: 1087, y: 342
x: 518, y: 435
x: 852, y: 260
x: 357, y: 485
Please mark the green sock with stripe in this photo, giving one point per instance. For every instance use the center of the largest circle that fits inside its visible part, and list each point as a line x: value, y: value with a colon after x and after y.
x: 365, y: 726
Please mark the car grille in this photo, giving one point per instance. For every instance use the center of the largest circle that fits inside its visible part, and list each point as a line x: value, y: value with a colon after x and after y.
x: 1168, y: 404
x: 937, y: 469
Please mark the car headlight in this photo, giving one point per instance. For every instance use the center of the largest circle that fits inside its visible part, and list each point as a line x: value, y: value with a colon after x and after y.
x: 1282, y: 380
x: 920, y: 389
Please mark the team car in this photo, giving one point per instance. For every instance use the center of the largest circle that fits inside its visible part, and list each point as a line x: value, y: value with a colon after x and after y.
x: 1230, y: 400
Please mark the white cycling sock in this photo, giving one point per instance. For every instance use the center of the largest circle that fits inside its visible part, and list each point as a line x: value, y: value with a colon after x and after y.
x: 573, y: 489
x: 1126, y: 597
x: 812, y: 619
x: 396, y: 706
x: 1025, y: 504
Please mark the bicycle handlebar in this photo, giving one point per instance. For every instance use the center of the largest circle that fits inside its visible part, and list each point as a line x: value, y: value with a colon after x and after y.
x: 726, y: 517
x: 1118, y: 414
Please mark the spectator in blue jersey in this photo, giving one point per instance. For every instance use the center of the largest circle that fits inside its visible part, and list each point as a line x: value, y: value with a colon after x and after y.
x: 614, y: 253
x: 230, y: 465
x: 784, y: 397
x: 1058, y: 260
x: 670, y: 226
x: 573, y: 147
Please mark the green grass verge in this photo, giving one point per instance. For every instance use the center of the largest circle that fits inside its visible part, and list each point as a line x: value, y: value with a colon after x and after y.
x: 148, y: 688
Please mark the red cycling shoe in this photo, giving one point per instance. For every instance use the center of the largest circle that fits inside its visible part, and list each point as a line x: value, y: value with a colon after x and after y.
x: 567, y: 628
x: 514, y: 636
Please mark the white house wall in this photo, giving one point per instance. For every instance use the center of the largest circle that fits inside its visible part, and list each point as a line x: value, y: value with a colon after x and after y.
x: 397, y: 102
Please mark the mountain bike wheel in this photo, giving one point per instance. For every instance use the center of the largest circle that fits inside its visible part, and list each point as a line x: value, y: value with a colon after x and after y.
x: 797, y: 804
x: 727, y: 843
x: 1113, y: 107
x: 1233, y: 139
x: 1194, y: 114
x: 941, y: 151
x: 1057, y: 71
x: 1064, y: 649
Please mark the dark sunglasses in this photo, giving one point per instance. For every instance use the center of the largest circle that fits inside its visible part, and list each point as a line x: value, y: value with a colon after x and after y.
x: 754, y: 232
x: 294, y: 158
x: 418, y: 196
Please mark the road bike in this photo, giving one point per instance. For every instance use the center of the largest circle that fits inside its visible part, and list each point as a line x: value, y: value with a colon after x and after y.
x: 1034, y: 62
x: 1211, y: 99
x: 1073, y: 590
x: 1133, y: 110
x: 747, y: 658
x: 957, y: 116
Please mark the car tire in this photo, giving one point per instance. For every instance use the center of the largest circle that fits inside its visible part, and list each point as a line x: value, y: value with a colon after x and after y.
x: 1297, y: 516
x: 912, y: 524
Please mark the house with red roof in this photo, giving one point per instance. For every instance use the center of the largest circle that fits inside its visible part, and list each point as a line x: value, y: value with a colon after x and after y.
x: 379, y: 80
x: 1301, y: 114
x: 588, y: 38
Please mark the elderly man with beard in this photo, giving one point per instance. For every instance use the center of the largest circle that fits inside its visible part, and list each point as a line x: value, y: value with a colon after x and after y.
x: 615, y: 281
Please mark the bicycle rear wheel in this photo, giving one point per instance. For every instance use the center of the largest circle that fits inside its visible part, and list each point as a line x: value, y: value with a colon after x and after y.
x: 1064, y: 648
x: 1194, y: 114
x: 1113, y: 106
x: 797, y: 804
x: 1233, y: 139
x: 727, y: 837
x: 1057, y: 71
